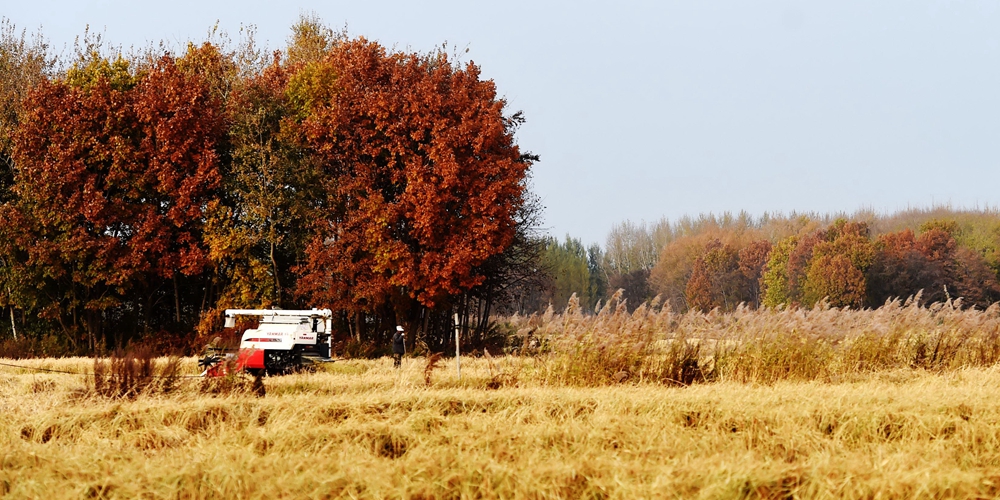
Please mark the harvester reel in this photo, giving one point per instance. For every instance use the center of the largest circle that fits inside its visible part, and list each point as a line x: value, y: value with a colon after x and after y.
x: 208, y: 361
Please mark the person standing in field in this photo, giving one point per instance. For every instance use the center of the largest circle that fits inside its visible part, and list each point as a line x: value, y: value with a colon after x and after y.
x: 398, y: 347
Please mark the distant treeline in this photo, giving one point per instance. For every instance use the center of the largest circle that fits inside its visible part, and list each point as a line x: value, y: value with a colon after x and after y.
x: 859, y: 260
x: 143, y: 192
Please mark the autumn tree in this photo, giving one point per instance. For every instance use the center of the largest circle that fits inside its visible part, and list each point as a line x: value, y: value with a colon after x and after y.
x: 799, y: 260
x: 673, y: 270
x: 973, y: 279
x: 257, y: 231
x: 966, y: 268
x: 900, y: 270
x: 932, y: 264
x: 114, y: 171
x: 143, y: 192
x: 825, y: 264
x: 421, y: 176
x: 715, y: 278
x: 310, y: 41
x: 752, y: 260
x: 836, y: 271
x: 678, y: 259
x: 515, y: 280
x: 725, y: 276
x: 24, y: 63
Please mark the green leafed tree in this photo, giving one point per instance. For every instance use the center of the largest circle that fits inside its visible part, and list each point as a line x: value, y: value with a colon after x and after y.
x: 598, y: 275
x: 257, y: 231
x: 774, y: 279
x: 568, y: 266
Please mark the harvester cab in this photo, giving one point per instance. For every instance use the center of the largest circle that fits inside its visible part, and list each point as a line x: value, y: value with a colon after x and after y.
x: 284, y: 341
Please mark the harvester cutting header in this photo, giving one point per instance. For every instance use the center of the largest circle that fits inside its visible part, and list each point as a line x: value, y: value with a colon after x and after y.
x: 284, y: 341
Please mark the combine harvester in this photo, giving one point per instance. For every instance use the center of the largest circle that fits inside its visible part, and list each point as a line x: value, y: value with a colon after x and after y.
x: 285, y: 341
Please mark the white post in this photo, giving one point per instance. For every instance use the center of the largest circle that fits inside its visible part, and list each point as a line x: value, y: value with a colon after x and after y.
x: 328, y: 326
x: 458, y: 354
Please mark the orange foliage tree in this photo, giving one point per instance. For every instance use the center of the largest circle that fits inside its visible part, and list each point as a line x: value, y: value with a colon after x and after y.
x: 840, y: 259
x: 714, y: 278
x: 421, y: 173
x: 724, y: 276
x: 114, y: 170
x: 753, y: 259
x: 932, y: 264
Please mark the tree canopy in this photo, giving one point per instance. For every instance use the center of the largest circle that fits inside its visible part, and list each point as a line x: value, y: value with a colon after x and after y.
x: 141, y: 193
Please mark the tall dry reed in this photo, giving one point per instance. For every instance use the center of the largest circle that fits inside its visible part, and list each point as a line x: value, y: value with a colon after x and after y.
x: 656, y: 344
x: 129, y: 373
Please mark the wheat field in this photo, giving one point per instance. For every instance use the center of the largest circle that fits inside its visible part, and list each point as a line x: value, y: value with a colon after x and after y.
x: 898, y: 402
x: 360, y: 429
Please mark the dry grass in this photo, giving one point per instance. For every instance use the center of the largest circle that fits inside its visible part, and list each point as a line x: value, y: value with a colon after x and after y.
x: 361, y: 429
x: 128, y: 374
x: 655, y: 344
x: 433, y: 362
x: 895, y: 403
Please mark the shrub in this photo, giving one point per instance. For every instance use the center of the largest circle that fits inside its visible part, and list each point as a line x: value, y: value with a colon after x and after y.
x: 127, y: 374
x: 355, y: 349
x: 27, y: 347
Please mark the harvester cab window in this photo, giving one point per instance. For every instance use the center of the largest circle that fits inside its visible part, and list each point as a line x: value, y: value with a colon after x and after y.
x: 315, y: 324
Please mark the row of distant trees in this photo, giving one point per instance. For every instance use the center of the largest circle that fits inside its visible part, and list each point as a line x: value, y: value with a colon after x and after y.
x: 710, y: 262
x: 143, y: 192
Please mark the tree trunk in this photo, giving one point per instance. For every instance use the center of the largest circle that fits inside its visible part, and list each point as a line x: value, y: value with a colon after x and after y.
x: 13, y: 326
x: 424, y: 332
x: 177, y: 301
x: 89, y: 325
x: 357, y: 326
x: 277, y: 280
x: 204, y: 298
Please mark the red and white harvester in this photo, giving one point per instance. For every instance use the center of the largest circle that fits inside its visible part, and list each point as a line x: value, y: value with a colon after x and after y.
x: 284, y: 341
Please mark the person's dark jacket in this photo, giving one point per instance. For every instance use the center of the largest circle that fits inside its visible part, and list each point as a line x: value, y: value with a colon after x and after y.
x: 397, y: 344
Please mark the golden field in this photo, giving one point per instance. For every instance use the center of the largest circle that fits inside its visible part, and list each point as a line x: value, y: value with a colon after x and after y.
x: 802, y: 404
x: 364, y: 430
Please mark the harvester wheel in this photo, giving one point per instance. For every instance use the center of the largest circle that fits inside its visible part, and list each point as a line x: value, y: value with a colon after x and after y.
x: 280, y: 362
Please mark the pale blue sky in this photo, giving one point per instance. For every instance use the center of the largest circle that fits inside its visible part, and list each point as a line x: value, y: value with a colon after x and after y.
x: 648, y: 109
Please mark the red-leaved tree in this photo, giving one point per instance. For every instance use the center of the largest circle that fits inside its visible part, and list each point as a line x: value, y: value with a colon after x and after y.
x: 422, y: 178
x: 114, y: 172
